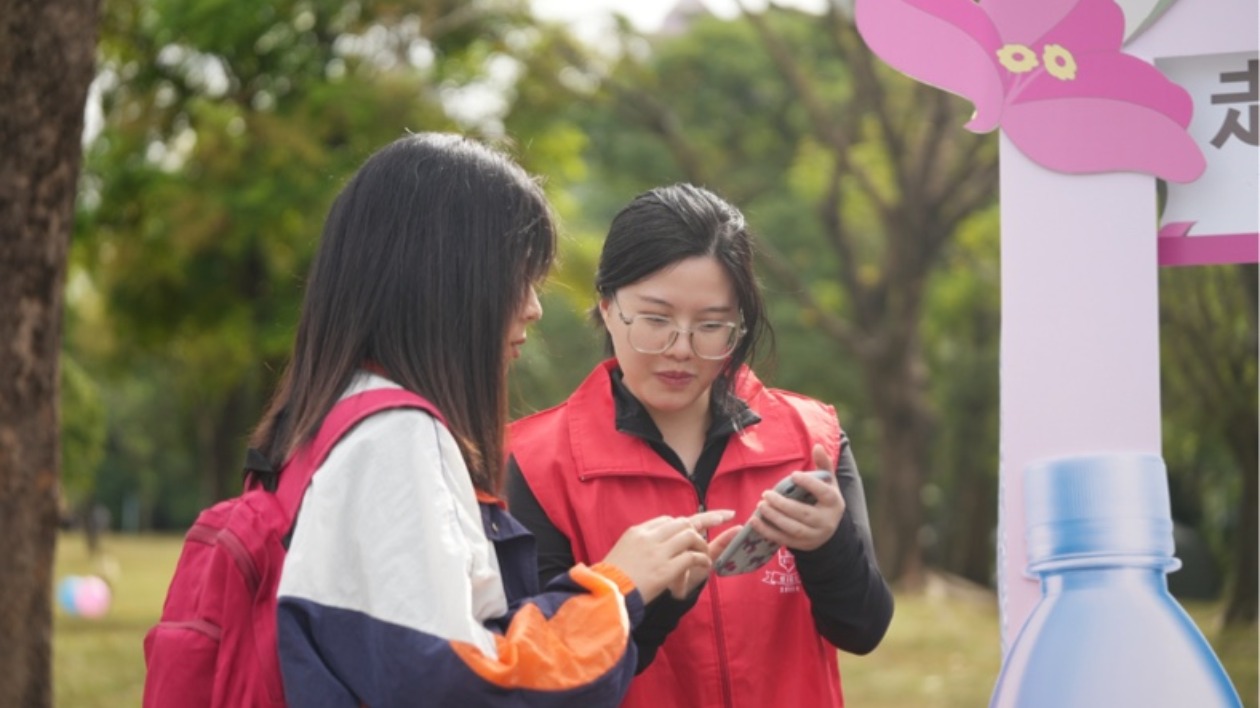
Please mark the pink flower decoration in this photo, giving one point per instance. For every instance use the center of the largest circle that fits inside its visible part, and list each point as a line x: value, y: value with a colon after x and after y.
x: 1050, y: 73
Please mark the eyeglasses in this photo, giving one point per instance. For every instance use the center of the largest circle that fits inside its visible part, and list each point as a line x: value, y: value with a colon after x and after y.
x: 653, y: 334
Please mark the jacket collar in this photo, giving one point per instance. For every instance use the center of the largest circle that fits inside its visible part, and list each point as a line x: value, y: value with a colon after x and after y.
x: 600, y: 450
x: 633, y: 418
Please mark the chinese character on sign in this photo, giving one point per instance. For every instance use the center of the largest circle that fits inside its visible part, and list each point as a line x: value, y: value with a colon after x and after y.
x: 1218, y: 210
x: 1233, y: 127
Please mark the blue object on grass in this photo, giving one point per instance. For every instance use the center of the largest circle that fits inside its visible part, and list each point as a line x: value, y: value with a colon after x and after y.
x: 67, y: 591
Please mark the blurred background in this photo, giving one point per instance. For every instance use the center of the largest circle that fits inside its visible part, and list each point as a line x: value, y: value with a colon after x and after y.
x: 218, y: 132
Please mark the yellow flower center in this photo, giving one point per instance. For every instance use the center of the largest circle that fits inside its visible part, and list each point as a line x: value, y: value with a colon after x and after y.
x: 1018, y: 58
x: 1059, y: 62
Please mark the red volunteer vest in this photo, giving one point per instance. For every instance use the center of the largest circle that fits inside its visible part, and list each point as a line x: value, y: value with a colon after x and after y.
x: 750, y: 641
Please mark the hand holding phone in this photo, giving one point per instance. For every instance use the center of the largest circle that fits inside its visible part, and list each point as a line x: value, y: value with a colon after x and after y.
x: 750, y: 550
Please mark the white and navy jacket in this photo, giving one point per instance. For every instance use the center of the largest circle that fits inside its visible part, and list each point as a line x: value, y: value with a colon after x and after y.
x: 404, y: 586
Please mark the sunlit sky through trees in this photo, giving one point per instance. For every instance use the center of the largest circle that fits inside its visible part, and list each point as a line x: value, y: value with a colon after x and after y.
x: 588, y: 19
x: 646, y: 15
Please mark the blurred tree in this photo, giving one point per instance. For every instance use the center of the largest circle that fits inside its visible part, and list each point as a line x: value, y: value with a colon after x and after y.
x: 46, y: 64
x: 82, y: 432
x: 82, y: 448
x: 961, y: 325
x: 1208, y: 338
x: 856, y: 177
x: 227, y: 127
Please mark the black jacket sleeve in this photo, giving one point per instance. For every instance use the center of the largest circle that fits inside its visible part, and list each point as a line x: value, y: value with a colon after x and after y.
x: 555, y: 556
x: 850, y: 601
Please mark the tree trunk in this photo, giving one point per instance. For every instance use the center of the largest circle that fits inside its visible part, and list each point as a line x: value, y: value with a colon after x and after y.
x: 970, y: 553
x: 47, y: 60
x: 229, y: 440
x: 1243, y: 587
x: 970, y: 513
x: 1241, y: 607
x: 897, y: 387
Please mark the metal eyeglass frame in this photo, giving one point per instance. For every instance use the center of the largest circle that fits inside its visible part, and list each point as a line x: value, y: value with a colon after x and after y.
x: 738, y: 331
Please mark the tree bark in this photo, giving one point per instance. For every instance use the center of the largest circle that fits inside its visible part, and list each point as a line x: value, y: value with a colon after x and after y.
x: 897, y: 387
x: 1241, y: 607
x: 227, y: 432
x: 47, y: 61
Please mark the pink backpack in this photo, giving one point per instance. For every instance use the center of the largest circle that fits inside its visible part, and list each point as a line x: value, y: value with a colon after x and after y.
x: 215, y: 645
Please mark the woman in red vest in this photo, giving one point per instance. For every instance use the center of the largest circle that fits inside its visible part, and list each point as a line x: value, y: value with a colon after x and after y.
x: 676, y: 422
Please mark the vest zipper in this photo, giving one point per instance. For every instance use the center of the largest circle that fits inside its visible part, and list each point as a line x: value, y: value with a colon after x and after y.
x: 724, y: 668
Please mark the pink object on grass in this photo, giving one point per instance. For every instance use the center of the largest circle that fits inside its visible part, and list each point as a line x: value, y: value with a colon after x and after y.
x: 92, y: 597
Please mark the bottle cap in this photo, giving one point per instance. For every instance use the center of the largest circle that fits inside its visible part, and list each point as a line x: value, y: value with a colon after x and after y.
x: 1087, y: 509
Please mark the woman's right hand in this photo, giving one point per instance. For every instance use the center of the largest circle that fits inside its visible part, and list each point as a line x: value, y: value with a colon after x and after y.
x: 656, y: 553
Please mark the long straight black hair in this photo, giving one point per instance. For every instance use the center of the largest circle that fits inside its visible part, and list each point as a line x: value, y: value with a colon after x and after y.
x: 663, y: 226
x: 427, y: 255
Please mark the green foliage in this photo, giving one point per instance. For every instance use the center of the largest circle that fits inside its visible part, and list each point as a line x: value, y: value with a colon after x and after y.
x: 558, y: 357
x: 82, y: 432
x: 228, y: 127
x: 1208, y: 343
x: 961, y: 327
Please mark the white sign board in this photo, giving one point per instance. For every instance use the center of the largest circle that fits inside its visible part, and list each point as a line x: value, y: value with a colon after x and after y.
x: 1216, y: 218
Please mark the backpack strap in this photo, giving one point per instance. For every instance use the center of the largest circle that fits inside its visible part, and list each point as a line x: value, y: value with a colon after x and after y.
x: 347, y: 413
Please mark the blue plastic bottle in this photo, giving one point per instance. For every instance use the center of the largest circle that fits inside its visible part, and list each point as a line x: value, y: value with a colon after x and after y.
x: 1106, y: 633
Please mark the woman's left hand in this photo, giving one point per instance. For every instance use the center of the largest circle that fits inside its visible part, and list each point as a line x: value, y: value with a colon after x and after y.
x: 800, y: 526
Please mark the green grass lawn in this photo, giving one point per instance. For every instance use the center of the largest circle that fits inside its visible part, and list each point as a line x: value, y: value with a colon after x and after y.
x: 941, y: 651
x: 101, y: 662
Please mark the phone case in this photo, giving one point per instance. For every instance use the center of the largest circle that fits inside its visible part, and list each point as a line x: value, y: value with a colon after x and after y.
x: 750, y: 550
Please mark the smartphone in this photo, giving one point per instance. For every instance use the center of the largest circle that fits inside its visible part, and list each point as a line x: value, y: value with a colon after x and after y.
x: 750, y: 550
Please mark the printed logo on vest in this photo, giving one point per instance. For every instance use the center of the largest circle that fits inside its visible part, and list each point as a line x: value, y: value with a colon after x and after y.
x: 785, y: 577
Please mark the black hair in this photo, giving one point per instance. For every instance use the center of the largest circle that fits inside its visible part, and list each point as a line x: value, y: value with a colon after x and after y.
x: 663, y: 226
x: 427, y: 255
